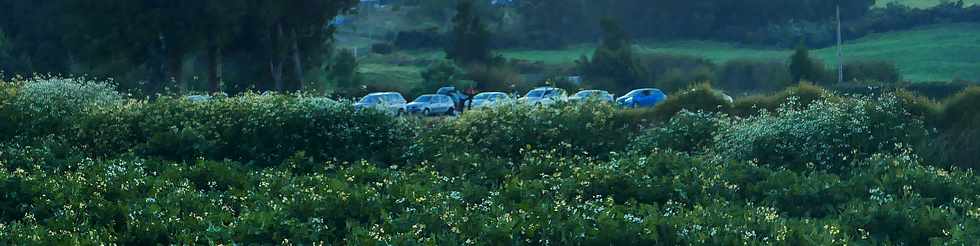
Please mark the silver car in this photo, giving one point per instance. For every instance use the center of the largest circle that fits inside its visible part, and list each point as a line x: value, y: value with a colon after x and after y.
x: 490, y: 99
x: 544, y: 96
x: 582, y: 96
x: 431, y: 105
x: 391, y: 102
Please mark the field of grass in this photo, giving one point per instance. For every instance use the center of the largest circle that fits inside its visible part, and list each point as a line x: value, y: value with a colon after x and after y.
x: 919, y: 3
x: 933, y: 53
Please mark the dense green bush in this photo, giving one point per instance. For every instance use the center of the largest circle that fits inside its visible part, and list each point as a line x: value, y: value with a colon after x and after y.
x: 744, y: 75
x: 496, y: 76
x: 700, y: 97
x: 958, y: 140
x: 260, y: 129
x: 673, y: 73
x: 872, y: 71
x: 50, y: 105
x: 438, y: 74
x: 289, y: 169
x: 689, y: 132
x: 266, y: 130
x: 8, y: 90
x: 827, y: 134
x: 509, y: 131
x: 804, y: 94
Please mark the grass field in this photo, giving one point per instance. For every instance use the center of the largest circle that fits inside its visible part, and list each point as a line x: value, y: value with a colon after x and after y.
x: 933, y: 53
x: 920, y: 3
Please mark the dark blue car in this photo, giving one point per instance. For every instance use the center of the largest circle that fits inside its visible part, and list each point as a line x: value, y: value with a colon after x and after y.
x: 642, y: 98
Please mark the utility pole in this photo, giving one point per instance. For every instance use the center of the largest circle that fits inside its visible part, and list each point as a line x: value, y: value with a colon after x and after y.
x: 840, y: 51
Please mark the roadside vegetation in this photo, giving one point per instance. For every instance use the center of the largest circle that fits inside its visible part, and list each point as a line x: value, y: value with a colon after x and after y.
x: 234, y: 122
x: 81, y: 163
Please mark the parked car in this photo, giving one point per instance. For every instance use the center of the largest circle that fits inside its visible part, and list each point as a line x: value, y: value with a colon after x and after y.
x: 489, y: 99
x: 457, y: 96
x: 392, y: 102
x: 600, y: 95
x: 198, y: 98
x: 642, y: 98
x: 544, y: 96
x: 431, y: 105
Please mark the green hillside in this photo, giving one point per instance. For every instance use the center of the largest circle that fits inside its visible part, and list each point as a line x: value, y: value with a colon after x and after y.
x: 926, y: 54
x: 934, y: 53
x: 920, y: 3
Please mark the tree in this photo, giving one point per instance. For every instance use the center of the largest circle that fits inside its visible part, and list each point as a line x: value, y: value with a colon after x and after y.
x: 343, y: 72
x: 470, y: 39
x: 804, y: 68
x: 613, y: 63
x: 439, y: 74
x: 550, y: 24
x: 32, y: 37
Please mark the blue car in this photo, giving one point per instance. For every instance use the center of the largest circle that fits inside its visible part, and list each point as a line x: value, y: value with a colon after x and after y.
x: 642, y: 98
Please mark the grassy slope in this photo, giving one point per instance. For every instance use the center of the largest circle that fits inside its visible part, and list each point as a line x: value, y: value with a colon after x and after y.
x: 920, y: 3
x: 941, y: 52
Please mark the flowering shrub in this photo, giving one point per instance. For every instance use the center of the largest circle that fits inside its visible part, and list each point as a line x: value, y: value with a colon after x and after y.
x: 701, y: 97
x: 828, y: 134
x: 687, y: 131
x: 48, y: 106
x: 592, y: 129
x: 803, y: 94
x: 289, y: 169
x: 264, y: 129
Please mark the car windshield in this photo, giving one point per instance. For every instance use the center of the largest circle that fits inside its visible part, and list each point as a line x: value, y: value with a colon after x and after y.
x: 584, y: 94
x: 536, y: 93
x: 446, y: 90
x: 424, y: 99
x: 394, y: 98
x: 489, y: 96
x: 636, y: 93
x: 370, y: 100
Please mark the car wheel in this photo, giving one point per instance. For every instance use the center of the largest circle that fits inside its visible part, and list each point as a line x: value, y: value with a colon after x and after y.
x: 425, y: 112
x: 451, y: 112
x: 401, y: 112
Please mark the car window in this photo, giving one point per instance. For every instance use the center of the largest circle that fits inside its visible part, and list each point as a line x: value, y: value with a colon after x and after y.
x: 394, y: 98
x: 551, y: 93
x: 535, y: 93
x: 370, y: 100
x: 424, y: 99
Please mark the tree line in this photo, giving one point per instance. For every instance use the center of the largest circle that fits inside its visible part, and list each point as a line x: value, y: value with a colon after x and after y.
x: 271, y: 45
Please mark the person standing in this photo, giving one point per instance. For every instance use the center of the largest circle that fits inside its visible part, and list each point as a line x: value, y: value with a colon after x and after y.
x: 470, y: 93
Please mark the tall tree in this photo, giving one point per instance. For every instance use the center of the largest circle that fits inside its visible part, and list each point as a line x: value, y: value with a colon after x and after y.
x: 802, y: 67
x: 297, y: 34
x: 470, y: 38
x: 613, y: 63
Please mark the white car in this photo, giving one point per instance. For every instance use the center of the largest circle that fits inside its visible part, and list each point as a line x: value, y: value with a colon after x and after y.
x: 544, y: 96
x: 391, y: 102
x: 602, y: 96
x: 431, y: 105
x: 489, y: 99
